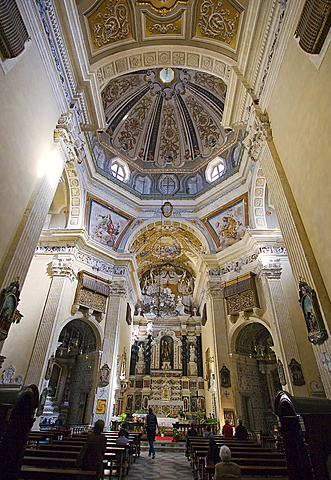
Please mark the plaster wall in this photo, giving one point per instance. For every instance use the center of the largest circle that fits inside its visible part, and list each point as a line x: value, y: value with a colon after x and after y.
x: 19, y: 344
x: 300, y: 116
x: 206, y: 342
x: 124, y: 341
x: 28, y: 117
x: 307, y: 357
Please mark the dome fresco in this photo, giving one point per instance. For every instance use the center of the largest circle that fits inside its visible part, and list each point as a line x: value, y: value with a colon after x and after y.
x: 165, y: 124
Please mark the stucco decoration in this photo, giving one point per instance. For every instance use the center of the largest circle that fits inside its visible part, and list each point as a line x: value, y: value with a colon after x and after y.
x: 162, y: 7
x: 166, y: 124
x: 218, y: 20
x: 110, y: 22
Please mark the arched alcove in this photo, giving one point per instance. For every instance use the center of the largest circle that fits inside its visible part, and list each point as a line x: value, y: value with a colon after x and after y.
x: 257, y: 377
x: 71, y: 375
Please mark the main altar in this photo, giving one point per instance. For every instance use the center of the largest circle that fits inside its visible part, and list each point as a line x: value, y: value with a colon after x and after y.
x: 166, y: 371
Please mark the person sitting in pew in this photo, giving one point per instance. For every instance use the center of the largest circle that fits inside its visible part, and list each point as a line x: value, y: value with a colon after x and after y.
x: 241, y: 432
x: 226, y: 469
x: 208, y: 433
x: 122, y: 439
x: 124, y: 429
x: 213, y: 455
x: 227, y: 430
x: 91, y: 455
x: 191, y: 432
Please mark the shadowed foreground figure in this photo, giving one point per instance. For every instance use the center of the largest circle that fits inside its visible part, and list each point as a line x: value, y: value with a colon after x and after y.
x: 95, y: 447
x: 226, y: 469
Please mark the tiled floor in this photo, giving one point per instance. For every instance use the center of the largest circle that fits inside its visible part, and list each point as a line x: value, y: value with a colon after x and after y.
x: 168, y: 465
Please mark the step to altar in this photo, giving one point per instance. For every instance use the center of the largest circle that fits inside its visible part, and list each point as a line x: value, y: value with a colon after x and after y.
x: 164, y: 446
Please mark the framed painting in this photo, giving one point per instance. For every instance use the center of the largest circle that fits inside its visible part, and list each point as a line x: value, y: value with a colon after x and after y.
x: 229, y: 415
x: 106, y: 224
x: 314, y: 322
x: 227, y: 225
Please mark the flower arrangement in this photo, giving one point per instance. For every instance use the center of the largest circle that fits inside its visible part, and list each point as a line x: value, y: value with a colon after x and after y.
x: 200, y: 416
x: 122, y: 417
x: 172, y: 415
x: 176, y: 434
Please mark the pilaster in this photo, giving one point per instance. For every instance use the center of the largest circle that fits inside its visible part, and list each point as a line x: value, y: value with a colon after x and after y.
x: 221, y: 347
x: 110, y: 347
x: 260, y: 145
x: 283, y: 333
x: 63, y: 270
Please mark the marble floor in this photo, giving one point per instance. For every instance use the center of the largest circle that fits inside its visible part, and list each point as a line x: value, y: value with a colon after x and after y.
x: 167, y: 465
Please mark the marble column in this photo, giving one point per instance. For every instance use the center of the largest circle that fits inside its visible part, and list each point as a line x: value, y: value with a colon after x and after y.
x: 115, y: 311
x: 64, y: 270
x: 260, y: 145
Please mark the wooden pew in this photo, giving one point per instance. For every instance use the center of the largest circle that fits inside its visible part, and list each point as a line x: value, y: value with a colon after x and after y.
x: 249, y: 457
x: 32, y: 472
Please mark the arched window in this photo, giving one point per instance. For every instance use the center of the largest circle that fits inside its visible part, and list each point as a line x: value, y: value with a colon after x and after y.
x: 215, y: 169
x: 119, y: 170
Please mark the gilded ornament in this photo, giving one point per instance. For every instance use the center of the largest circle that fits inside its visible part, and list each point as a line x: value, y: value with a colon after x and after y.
x: 173, y: 28
x: 218, y: 20
x: 162, y: 7
x: 110, y: 23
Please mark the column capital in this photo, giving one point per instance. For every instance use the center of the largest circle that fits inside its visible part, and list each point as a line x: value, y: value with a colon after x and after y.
x: 64, y: 266
x: 258, y: 134
x: 272, y: 269
x: 68, y: 133
x: 118, y: 289
x: 215, y: 289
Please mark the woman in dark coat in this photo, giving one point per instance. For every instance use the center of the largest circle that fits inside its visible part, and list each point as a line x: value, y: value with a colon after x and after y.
x: 95, y: 448
x: 212, y: 456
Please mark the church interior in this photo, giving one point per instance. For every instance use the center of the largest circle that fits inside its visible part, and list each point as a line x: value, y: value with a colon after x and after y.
x: 159, y: 245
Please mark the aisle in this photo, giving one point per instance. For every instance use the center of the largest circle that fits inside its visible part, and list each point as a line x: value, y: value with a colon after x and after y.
x: 165, y: 466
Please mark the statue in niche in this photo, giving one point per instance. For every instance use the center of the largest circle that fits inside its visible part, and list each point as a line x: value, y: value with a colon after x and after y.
x: 140, y: 353
x: 8, y: 374
x: 165, y: 351
x: 192, y: 353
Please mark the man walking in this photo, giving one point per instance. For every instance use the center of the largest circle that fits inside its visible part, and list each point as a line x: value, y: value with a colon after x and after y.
x: 151, y: 425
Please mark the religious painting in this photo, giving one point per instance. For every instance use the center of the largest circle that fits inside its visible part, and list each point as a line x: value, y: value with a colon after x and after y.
x: 225, y: 377
x: 166, y: 247
x: 281, y: 373
x: 8, y: 314
x: 104, y: 375
x: 228, y: 224
x: 296, y: 373
x: 229, y: 415
x: 106, y: 225
x: 314, y: 322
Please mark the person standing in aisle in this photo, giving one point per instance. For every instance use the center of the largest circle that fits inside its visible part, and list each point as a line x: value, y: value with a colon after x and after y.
x: 151, y: 426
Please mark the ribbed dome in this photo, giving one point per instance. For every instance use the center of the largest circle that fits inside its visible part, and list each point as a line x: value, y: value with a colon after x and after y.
x: 166, y: 124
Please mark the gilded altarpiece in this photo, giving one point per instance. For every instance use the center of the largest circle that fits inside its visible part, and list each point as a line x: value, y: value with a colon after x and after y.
x: 164, y: 366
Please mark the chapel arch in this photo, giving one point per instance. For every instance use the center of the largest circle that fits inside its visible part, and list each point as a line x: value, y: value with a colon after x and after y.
x: 256, y: 373
x: 71, y: 374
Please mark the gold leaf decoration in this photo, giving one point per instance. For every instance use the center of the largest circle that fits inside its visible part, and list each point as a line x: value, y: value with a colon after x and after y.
x: 110, y: 23
x: 218, y: 20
